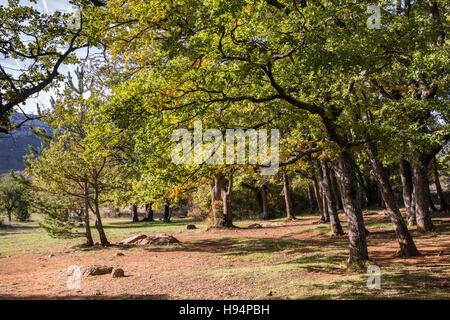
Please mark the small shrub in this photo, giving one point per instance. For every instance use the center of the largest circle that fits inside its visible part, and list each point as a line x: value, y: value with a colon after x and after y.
x: 21, y: 213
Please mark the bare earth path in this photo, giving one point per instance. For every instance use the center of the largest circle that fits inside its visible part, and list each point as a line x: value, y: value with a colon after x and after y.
x: 291, y: 260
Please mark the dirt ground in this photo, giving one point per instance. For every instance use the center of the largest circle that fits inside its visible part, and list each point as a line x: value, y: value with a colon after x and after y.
x: 292, y: 260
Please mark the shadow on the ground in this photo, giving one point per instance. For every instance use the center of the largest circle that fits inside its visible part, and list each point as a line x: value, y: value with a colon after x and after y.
x: 402, y: 285
x: 238, y: 246
x: 321, y: 263
x: 146, y: 224
x: 16, y: 229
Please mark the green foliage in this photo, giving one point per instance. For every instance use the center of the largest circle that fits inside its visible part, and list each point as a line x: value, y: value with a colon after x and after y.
x: 33, y: 40
x: 58, y: 221
x: 14, y: 198
x: 22, y: 212
x: 316, y: 72
x: 81, y: 154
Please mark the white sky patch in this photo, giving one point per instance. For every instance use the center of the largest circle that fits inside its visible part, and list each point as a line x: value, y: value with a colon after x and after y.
x: 15, y: 66
x: 44, y: 2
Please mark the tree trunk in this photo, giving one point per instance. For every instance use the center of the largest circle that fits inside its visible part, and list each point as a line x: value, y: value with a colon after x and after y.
x: 262, y: 203
x: 430, y: 201
x: 259, y: 198
x: 310, y: 200
x: 221, y: 202
x: 407, y: 191
x: 413, y: 206
x: 98, y: 220
x: 344, y: 168
x: 226, y: 197
x: 167, y: 212
x: 365, y: 187
x: 265, y: 215
x: 326, y: 211
x: 407, y: 245
x: 423, y: 217
x: 444, y: 206
x: 335, y: 189
x: 287, y: 197
x: 8, y: 213
x: 318, y: 199
x: 373, y: 194
x: 324, y: 176
x: 351, y: 201
x: 135, y: 213
x: 149, y: 212
x: 216, y: 188
x: 87, y: 226
x: 382, y: 204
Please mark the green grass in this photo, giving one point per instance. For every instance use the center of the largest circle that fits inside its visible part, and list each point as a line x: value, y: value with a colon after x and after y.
x: 28, y: 237
x: 381, y: 225
x: 125, y: 228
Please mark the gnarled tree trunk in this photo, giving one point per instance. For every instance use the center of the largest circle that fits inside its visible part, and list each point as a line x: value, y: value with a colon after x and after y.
x: 351, y: 200
x: 221, y: 201
x: 344, y: 167
x: 149, y: 212
x: 421, y: 187
x: 407, y: 245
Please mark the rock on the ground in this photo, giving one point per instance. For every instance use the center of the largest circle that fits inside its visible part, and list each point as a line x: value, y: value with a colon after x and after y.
x: 158, y: 240
x: 117, y: 273
x: 95, y: 270
x: 119, y: 254
x: 254, y: 226
x: 143, y: 240
x: 272, y: 224
x: 191, y: 226
x: 133, y: 239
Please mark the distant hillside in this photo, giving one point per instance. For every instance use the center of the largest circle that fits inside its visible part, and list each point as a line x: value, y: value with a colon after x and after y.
x: 14, y: 146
